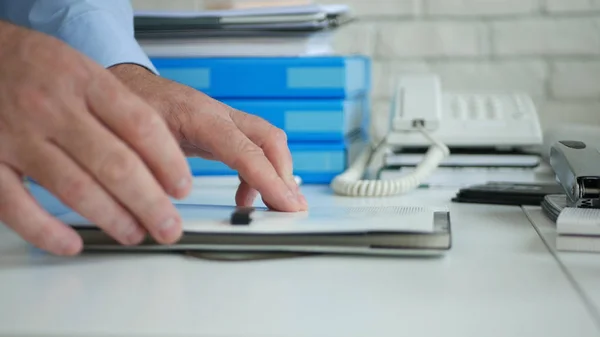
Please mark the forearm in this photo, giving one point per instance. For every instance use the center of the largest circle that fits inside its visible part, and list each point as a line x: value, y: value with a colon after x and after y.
x: 100, y: 29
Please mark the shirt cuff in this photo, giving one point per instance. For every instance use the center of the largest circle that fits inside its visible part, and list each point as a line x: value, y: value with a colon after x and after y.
x: 99, y: 36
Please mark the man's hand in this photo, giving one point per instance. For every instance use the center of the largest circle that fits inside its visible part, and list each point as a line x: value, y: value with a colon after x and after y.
x: 78, y: 131
x: 213, y: 130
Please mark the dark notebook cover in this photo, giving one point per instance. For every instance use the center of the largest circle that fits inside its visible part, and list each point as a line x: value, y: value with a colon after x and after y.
x: 507, y: 193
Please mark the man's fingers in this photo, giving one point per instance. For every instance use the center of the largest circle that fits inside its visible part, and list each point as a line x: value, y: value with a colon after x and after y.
x: 245, y: 194
x: 20, y: 212
x: 193, y: 151
x: 121, y: 172
x: 142, y: 128
x: 53, y: 169
x: 234, y: 149
x: 272, y: 140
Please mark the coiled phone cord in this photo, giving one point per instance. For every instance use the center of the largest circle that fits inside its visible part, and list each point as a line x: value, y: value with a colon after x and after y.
x: 351, y: 182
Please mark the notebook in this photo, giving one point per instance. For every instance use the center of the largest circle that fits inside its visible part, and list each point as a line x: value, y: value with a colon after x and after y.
x: 331, y: 230
x: 507, y: 193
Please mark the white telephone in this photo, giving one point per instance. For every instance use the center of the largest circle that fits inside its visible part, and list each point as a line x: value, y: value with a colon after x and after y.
x: 421, y: 115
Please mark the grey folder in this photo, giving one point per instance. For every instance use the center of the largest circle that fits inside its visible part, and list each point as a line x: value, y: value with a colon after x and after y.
x: 355, y: 241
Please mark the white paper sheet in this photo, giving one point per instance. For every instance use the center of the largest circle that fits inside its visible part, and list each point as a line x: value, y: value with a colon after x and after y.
x: 318, y: 44
x: 215, y: 219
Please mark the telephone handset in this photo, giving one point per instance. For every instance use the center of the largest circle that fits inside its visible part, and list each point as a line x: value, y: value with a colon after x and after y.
x: 423, y: 116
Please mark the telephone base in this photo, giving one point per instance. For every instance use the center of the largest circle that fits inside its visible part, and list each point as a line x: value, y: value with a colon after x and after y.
x: 484, y: 119
x: 424, y: 117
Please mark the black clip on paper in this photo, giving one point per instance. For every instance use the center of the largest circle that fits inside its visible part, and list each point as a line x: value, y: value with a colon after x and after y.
x: 241, y: 216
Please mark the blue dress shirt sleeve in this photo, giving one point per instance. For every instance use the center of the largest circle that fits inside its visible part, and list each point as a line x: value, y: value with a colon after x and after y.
x: 101, y: 29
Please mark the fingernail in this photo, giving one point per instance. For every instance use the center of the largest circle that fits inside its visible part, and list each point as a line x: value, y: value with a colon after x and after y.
x: 183, y: 184
x: 128, y: 232
x: 135, y: 237
x: 291, y: 183
x: 166, y: 228
x: 67, y: 246
x: 303, y: 200
x: 251, y: 198
x: 292, y: 196
x: 297, y: 198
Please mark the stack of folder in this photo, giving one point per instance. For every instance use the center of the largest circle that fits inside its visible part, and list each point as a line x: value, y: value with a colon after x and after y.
x: 385, y: 230
x: 577, y: 229
x: 271, y: 31
x: 320, y: 100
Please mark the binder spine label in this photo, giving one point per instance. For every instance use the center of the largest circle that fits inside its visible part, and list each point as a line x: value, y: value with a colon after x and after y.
x: 319, y: 162
x: 314, y: 121
x: 315, y: 78
x: 359, y: 79
x: 304, y: 161
x: 235, y: 78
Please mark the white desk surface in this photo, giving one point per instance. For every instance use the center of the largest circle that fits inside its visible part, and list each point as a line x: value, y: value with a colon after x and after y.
x: 499, y: 279
x: 582, y: 267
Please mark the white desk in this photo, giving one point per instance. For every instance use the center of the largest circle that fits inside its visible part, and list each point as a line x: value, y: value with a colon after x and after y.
x: 498, y: 280
x: 583, y: 268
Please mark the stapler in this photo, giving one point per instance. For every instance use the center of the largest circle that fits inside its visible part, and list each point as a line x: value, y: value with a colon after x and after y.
x: 577, y: 168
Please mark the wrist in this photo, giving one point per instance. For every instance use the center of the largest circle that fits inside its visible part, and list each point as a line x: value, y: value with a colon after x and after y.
x: 7, y: 30
x: 140, y: 80
x: 6, y: 25
x: 12, y: 35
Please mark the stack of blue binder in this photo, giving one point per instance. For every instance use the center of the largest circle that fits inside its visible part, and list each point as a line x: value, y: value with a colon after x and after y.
x: 322, y: 103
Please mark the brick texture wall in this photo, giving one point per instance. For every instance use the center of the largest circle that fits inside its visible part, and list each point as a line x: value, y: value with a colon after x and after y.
x: 547, y: 48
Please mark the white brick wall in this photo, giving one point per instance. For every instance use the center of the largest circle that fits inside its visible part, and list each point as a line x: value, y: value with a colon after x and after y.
x: 561, y: 112
x: 382, y: 8
x: 481, y: 7
x: 548, y: 48
x: 547, y: 36
x: 576, y: 79
x: 430, y: 39
x: 358, y: 38
x: 557, y: 6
